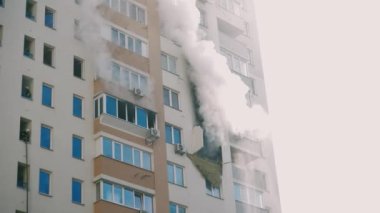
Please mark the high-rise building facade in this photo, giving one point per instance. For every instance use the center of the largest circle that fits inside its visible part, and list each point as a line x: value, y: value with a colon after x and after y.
x: 99, y: 112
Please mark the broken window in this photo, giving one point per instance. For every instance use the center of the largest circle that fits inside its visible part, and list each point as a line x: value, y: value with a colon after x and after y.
x: 29, y: 47
x: 25, y: 129
x: 27, y: 87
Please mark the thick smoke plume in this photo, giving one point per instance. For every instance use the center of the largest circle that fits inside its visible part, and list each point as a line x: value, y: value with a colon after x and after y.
x: 221, y: 94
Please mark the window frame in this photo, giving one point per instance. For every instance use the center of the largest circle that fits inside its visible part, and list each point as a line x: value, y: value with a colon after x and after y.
x: 81, y: 147
x: 167, y: 58
x: 25, y: 173
x: 81, y: 61
x: 49, y: 175
x: 81, y: 106
x: 176, y: 181
x: 172, y: 128
x: 125, y: 43
x: 50, y: 142
x: 45, y: 85
x: 29, y: 50
x: 248, y: 195
x: 52, y: 12
x: 33, y: 13
x: 45, y: 58
x: 27, y: 87
x: 123, y: 158
x: 171, y: 102
x: 75, y: 180
x: 214, y: 191
x: 177, y: 207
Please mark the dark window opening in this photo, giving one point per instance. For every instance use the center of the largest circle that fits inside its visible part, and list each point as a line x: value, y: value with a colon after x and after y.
x: 78, y: 67
x: 29, y: 47
x: 48, y: 55
x: 121, y: 110
x: 131, y: 112
x: 22, y: 176
x: 151, y: 119
x: 30, y: 11
x: 25, y: 129
x: 27, y: 87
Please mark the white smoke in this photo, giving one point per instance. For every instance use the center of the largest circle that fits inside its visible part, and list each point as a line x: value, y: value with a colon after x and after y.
x: 221, y: 94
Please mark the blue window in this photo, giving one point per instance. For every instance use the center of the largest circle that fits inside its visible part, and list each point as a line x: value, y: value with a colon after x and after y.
x: 117, y: 151
x: 107, y: 191
x: 147, y: 161
x: 128, y: 197
x: 111, y: 105
x: 77, y: 147
x: 107, y: 147
x: 175, y: 174
x: 137, y: 157
x: 49, y: 17
x: 47, y: 95
x: 175, y: 208
x: 44, y: 182
x: 45, y: 137
x: 76, y: 191
x: 117, y: 194
x: 77, y: 106
x: 142, y: 117
x: 172, y: 134
x: 127, y: 154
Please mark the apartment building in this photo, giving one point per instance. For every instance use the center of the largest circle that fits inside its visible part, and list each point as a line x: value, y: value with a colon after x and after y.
x: 99, y: 113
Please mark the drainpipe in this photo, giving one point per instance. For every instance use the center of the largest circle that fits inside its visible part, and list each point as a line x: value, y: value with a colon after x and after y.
x: 27, y: 177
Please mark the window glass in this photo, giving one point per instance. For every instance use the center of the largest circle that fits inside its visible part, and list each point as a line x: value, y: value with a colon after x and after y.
x: 44, y: 182
x: 107, y: 191
x: 164, y: 61
x: 168, y: 133
x: 77, y: 106
x: 166, y: 97
x: 142, y: 118
x: 170, y: 173
x: 49, y: 18
x: 135, y: 80
x: 123, y: 6
x: 146, y: 161
x: 130, y: 43
x: 181, y: 209
x: 148, y: 204
x: 175, y: 103
x: 122, y: 40
x: 127, y: 154
x: 77, y: 147
x: 132, y: 11
x: 137, y: 157
x: 117, y: 194
x: 128, y: 197
x: 115, y: 35
x: 107, y: 147
x: 141, y: 15
x: 111, y: 105
x: 143, y: 83
x: 173, y: 208
x: 121, y: 112
x: 115, y: 72
x: 117, y: 151
x: 177, y: 135
x: 76, y: 190
x: 179, y: 175
x: 138, y: 200
x: 45, y: 137
x: 78, y: 67
x: 46, y: 95
x: 22, y: 175
x: 138, y: 48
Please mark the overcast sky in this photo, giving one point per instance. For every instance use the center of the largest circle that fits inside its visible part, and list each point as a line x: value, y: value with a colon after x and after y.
x: 322, y: 66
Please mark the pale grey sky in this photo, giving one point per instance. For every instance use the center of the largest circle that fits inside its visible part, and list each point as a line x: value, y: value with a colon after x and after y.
x: 322, y: 67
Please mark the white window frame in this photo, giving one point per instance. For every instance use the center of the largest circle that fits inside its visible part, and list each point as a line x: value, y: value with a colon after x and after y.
x: 81, y: 190
x: 51, y: 136
x: 127, y: 35
x: 169, y: 58
x: 250, y: 193
x: 234, y: 61
x: 213, y: 191
x: 175, y: 167
x: 125, y: 70
x: 177, y: 206
x: 172, y: 127
x: 171, y: 91
x: 126, y: 11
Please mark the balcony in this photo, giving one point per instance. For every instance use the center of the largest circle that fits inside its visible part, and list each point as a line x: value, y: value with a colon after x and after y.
x: 245, y: 208
x: 230, y: 23
x: 232, y: 45
x: 245, y: 152
x: 123, y: 171
x: 102, y: 206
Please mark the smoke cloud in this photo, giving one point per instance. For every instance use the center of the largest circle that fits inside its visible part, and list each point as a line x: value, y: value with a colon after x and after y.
x: 221, y: 94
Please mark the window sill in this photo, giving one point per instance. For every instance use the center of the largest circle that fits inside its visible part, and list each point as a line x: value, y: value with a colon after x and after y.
x: 22, y: 188
x: 220, y: 198
x: 48, y: 149
x: 179, y: 110
x: 81, y: 159
x: 31, y: 18
x: 26, y: 98
x: 77, y: 203
x: 51, y: 66
x: 182, y: 186
x: 79, y: 117
x: 80, y: 78
x: 50, y: 107
x: 46, y: 195
x: 29, y: 56
x: 52, y: 28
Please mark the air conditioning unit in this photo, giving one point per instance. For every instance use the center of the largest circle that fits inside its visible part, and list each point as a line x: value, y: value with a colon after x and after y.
x: 179, y: 149
x: 154, y: 133
x: 138, y: 92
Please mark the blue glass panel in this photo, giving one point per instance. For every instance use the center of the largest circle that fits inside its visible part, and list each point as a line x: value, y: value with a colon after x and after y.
x: 76, y: 195
x: 138, y: 200
x: 107, y: 191
x: 181, y: 209
x: 46, y: 95
x: 117, y: 194
x: 179, y: 176
x: 166, y: 97
x: 44, y: 182
x: 111, y: 105
x: 146, y: 161
x: 148, y: 204
x: 177, y: 135
x: 170, y: 173
x: 77, y: 147
x: 142, y: 117
x: 49, y: 18
x: 77, y: 107
x: 45, y: 137
x: 136, y: 157
x: 173, y: 208
x: 117, y: 151
x: 107, y: 147
x: 168, y: 134
x: 128, y: 198
x: 127, y: 154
